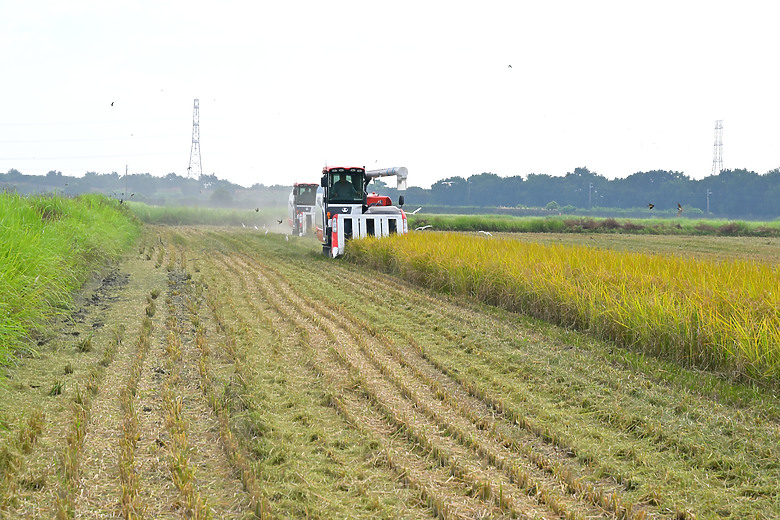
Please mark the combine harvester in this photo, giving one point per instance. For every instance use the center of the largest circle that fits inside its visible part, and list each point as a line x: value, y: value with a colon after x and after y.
x: 344, y: 210
x: 300, y: 208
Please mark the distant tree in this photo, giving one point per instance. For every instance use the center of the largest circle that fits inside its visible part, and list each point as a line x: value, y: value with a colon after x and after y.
x: 417, y: 195
x: 221, y: 197
x: 483, y: 189
x: 452, y: 191
x: 539, y: 188
x: 377, y: 185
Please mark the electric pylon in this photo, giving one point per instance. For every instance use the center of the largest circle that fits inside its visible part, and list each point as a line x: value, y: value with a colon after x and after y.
x: 194, y: 170
x: 717, y: 158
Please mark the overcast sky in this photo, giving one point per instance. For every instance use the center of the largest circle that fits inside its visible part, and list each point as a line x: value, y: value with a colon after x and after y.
x: 286, y: 87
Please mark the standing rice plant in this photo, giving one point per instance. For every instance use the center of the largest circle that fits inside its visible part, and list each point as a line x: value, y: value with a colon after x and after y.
x: 708, y: 313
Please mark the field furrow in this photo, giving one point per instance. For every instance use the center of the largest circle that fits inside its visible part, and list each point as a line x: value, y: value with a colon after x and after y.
x: 411, y: 405
x: 444, y: 494
x: 473, y: 422
x: 99, y: 487
x: 600, y: 405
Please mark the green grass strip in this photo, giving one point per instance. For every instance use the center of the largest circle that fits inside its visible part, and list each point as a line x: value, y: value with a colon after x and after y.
x: 575, y: 224
x: 49, y: 246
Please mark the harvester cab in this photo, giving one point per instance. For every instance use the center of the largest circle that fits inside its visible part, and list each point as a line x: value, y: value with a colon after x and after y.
x: 300, y: 208
x: 346, y: 211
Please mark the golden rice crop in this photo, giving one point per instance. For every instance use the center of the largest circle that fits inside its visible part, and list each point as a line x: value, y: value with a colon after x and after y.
x: 702, y: 312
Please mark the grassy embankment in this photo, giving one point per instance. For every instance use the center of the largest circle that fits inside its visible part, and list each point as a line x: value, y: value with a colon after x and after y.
x: 569, y: 224
x: 705, y: 313
x: 49, y: 246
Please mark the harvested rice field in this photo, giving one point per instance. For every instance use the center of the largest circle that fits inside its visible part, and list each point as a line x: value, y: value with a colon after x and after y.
x: 220, y: 374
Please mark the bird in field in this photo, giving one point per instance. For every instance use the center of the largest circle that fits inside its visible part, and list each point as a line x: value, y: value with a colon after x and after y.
x: 679, y: 209
x: 651, y: 205
x: 243, y: 225
x: 422, y: 228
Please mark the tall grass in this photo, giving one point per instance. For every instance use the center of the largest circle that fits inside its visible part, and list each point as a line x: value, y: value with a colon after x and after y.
x: 713, y: 314
x: 49, y: 246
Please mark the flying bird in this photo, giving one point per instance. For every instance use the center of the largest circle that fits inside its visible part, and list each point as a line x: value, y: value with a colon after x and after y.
x: 486, y: 233
x: 279, y: 220
x: 112, y: 103
x: 510, y: 66
x: 679, y: 209
x: 651, y: 205
x: 257, y: 209
x: 421, y: 228
x: 415, y: 211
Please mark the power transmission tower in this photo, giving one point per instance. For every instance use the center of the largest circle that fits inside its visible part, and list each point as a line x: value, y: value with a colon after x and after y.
x: 717, y: 158
x: 194, y: 169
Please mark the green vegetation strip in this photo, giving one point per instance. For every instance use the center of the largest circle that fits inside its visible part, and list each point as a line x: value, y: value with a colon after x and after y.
x: 49, y: 246
x: 712, y: 314
x: 572, y: 224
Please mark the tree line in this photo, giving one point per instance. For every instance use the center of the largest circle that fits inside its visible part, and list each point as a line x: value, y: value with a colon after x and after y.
x: 171, y: 189
x: 730, y: 194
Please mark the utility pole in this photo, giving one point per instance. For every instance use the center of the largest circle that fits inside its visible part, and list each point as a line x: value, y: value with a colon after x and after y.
x: 709, y: 192
x: 194, y: 169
